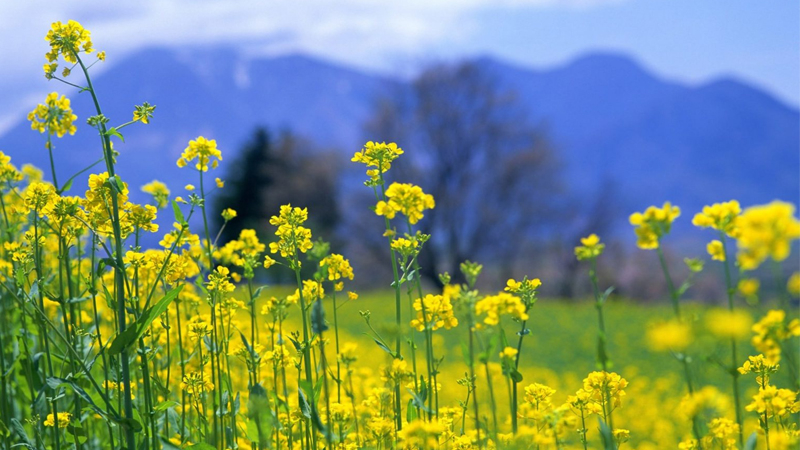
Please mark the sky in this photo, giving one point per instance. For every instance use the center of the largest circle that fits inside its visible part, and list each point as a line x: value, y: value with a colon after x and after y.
x: 688, y: 41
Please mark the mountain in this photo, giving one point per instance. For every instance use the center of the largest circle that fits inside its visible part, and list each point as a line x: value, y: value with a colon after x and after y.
x: 608, y: 117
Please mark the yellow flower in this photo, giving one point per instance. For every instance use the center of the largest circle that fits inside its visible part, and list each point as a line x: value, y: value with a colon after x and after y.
x: 378, y: 155
x: 219, y: 182
x: 292, y: 236
x: 337, y: 266
x: 492, y: 307
x: 438, y: 313
x: 766, y: 231
x: 54, y: 116
x: 204, y: 150
x: 723, y: 323
x: 672, y: 335
x: 352, y: 295
x: 159, y: 191
x: 189, y: 187
x: 716, y: 249
x: 793, y: 285
x: 63, y: 420
x: 268, y: 262
x: 748, y: 287
x: 143, y: 113
x: 68, y: 40
x: 406, y: 199
x: 590, y: 248
x: 774, y: 402
x: 605, y: 386
x: 771, y: 331
x: 228, y: 214
x: 719, y: 216
x: 653, y: 224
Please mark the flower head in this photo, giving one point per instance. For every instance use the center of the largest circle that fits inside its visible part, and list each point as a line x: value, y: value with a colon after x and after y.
x: 766, y: 231
x: 590, y: 247
x: 204, y: 150
x: 653, y: 224
x: 379, y: 156
x: 719, y: 216
x: 54, y: 116
x: 406, y: 199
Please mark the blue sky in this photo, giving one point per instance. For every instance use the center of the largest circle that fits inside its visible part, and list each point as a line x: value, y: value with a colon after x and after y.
x: 691, y: 41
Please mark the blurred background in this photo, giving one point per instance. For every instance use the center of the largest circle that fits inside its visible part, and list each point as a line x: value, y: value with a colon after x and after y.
x: 532, y: 122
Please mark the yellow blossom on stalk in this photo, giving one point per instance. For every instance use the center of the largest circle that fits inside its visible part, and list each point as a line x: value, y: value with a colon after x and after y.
x: 727, y: 324
x: 54, y: 116
x: 195, y: 383
x: 137, y: 260
x: 492, y: 307
x: 716, y: 249
x: 793, y: 285
x: 352, y: 295
x: 771, y: 331
x: 508, y: 353
x: 438, y: 313
x: 143, y: 113
x: 189, y: 187
x: 722, y: 434
x: 526, y: 289
x: 420, y: 434
x: 8, y: 172
x: 406, y: 199
x: 40, y: 197
x: 590, y: 247
x: 774, y: 402
x: 397, y: 372
x: 670, y: 335
x: 142, y: 217
x: 219, y: 280
x: 204, y: 151
x: 218, y: 181
x: 338, y: 267
x: 621, y: 436
x: 347, y: 353
x: 766, y: 231
x: 405, y: 247
x: 280, y: 356
x: 198, y: 327
x: 268, y: 262
x: 707, y: 398
x: 761, y: 366
x: 748, y: 287
x: 653, y: 224
x: 66, y: 40
x: 292, y: 236
x: 159, y: 191
x: 63, y: 421
x: 719, y: 216
x: 605, y: 385
x: 379, y: 156
x: 539, y: 396
x: 312, y: 290
x: 228, y: 214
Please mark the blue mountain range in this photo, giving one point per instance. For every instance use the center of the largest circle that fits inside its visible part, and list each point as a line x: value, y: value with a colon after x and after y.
x: 609, y: 119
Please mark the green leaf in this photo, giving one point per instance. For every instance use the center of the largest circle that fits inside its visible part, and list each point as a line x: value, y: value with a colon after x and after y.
x: 163, y: 406
x: 178, y: 213
x: 516, y: 376
x: 305, y: 407
x: 137, y: 329
x: 113, y: 132
x: 608, y: 437
x: 411, y: 411
x: 55, y: 382
x: 750, y: 444
x: 20, y: 430
x: 167, y: 445
x: 67, y: 186
x: 383, y: 346
x: 120, y: 185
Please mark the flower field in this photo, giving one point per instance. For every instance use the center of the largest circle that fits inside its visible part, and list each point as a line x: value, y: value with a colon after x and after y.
x: 106, y: 344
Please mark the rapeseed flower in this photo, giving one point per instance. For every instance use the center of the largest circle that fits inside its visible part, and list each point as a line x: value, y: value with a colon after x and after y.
x: 204, y: 150
x: 653, y: 224
x: 406, y: 199
x: 765, y: 232
x: 55, y: 116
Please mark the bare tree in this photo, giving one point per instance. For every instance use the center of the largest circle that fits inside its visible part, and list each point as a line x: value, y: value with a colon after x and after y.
x: 469, y: 143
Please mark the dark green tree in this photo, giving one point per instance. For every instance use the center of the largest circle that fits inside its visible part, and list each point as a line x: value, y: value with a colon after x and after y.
x: 270, y: 172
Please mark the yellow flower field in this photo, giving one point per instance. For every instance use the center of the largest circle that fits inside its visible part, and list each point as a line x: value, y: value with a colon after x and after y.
x: 105, y: 344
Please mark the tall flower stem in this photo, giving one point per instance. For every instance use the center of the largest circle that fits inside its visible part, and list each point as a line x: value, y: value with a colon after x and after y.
x: 729, y: 289
x: 119, y: 274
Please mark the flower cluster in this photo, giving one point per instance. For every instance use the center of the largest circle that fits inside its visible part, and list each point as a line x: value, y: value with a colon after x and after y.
x: 653, y: 224
x: 204, y: 150
x: 433, y: 312
x: 766, y: 231
x: 590, y: 248
x: 54, y: 116
x: 492, y: 307
x: 67, y: 40
x: 293, y: 237
x: 406, y: 199
x: 771, y: 331
x: 719, y: 216
x: 379, y: 156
